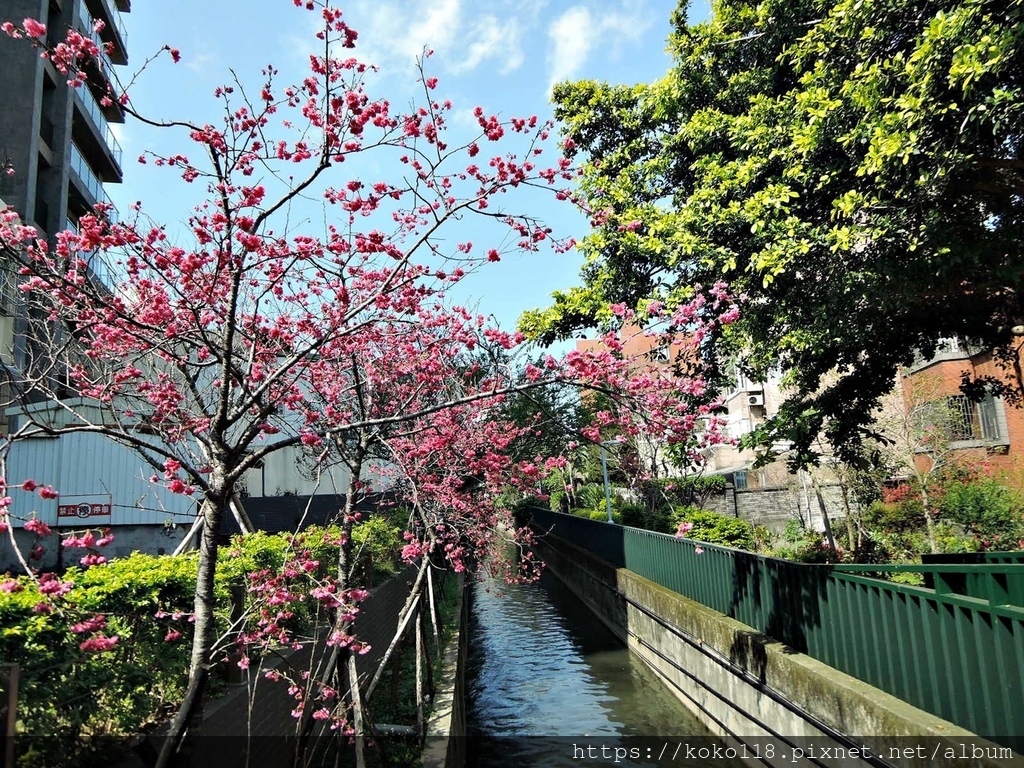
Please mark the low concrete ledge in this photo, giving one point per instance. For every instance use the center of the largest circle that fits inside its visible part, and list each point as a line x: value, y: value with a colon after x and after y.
x: 445, y: 738
x: 743, y: 685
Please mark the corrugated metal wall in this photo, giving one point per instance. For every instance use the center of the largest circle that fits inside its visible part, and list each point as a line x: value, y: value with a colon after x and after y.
x: 88, y: 467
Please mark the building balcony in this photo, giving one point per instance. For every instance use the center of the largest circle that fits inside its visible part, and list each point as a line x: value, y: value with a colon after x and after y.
x: 92, y: 134
x: 86, y: 188
x: 114, y: 32
x: 102, y: 68
x: 99, y: 268
x: 949, y: 349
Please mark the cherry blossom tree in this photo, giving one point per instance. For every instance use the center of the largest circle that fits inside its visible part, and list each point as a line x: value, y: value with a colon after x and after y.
x: 248, y: 334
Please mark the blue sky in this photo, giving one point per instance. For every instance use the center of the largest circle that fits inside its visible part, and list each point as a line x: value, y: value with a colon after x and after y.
x: 503, y: 55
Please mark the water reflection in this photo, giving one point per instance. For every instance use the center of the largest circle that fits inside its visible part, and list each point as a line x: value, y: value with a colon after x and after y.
x: 547, y: 678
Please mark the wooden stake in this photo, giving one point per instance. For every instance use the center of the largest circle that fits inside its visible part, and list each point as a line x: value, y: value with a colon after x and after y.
x: 433, y: 611
x: 419, y: 674
x: 357, y: 710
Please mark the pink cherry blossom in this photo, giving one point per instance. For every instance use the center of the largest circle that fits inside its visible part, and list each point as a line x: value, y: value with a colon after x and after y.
x: 684, y: 528
x: 33, y: 28
x: 248, y: 333
x: 38, y: 527
x: 99, y: 644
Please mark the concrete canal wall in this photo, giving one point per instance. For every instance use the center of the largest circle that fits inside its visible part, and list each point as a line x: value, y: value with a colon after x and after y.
x: 743, y: 685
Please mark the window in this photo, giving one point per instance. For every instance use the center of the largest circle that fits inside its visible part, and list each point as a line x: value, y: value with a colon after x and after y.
x: 989, y: 417
x: 660, y: 354
x: 962, y: 419
x: 8, y: 287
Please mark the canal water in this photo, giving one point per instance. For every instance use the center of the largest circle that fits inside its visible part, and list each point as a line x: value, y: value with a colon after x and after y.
x: 547, y: 680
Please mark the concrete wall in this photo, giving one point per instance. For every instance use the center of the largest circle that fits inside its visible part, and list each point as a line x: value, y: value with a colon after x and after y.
x: 775, y: 507
x: 151, y: 539
x: 20, y: 109
x: 743, y: 686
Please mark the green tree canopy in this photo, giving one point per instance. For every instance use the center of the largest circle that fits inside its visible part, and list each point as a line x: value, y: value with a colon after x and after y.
x: 853, y: 167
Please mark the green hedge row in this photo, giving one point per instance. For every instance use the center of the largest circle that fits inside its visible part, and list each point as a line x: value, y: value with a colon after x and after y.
x: 77, y: 706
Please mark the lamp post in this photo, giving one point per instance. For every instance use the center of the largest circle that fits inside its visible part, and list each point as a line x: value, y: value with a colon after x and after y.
x: 604, y: 471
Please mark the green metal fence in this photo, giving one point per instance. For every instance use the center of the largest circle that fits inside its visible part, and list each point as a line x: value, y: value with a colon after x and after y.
x: 1003, y: 587
x: 952, y: 651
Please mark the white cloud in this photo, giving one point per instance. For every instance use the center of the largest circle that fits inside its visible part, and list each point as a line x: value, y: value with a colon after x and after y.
x: 573, y: 35
x: 395, y: 33
x: 583, y: 29
x: 489, y: 38
x: 203, y: 61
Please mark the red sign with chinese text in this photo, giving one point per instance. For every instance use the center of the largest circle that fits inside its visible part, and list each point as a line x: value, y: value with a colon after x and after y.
x: 84, y: 510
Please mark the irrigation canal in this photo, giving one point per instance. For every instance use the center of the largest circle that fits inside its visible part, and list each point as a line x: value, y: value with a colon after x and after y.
x: 547, y: 678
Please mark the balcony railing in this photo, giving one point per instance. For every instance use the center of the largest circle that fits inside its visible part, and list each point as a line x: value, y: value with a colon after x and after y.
x: 95, y: 111
x: 114, y: 14
x: 96, y: 260
x: 86, y: 20
x: 88, y: 177
x: 91, y: 181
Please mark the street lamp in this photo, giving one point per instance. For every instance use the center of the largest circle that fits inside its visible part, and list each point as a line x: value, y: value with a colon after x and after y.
x: 604, y: 471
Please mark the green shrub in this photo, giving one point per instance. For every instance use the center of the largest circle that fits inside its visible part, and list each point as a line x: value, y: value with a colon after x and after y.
x: 805, y: 546
x: 972, y: 514
x: 76, y: 708
x: 378, y: 544
x: 763, y: 538
x: 714, y: 528
x: 810, y: 551
x: 555, y: 500
x: 640, y: 516
x: 795, y: 531
x: 904, y: 515
x: 667, y: 493
x: 591, y: 496
x: 600, y: 514
x: 990, y: 511
x: 911, y: 579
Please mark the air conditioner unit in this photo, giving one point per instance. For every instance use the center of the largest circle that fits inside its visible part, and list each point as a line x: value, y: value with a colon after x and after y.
x: 755, y: 399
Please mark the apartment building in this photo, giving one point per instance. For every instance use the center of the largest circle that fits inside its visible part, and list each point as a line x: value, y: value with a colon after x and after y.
x: 56, y: 142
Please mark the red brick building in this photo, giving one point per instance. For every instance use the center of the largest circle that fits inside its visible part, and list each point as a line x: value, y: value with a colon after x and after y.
x: 989, y: 432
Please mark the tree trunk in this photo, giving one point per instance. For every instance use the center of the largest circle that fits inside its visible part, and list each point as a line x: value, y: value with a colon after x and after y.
x: 929, y: 521
x: 433, y: 608
x: 420, y: 651
x: 411, y: 604
x: 396, y: 681
x: 851, y: 532
x: 357, y: 711
x: 829, y: 537
x: 174, y: 751
x: 431, y: 689
x: 304, y: 726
